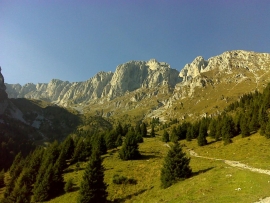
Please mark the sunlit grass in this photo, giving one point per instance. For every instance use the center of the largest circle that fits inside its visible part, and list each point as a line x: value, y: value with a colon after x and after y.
x: 212, y: 181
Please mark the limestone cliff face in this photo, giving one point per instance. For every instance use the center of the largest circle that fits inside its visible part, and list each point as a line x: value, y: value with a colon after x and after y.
x: 3, y: 94
x: 127, y: 77
x: 225, y: 62
x: 136, y: 74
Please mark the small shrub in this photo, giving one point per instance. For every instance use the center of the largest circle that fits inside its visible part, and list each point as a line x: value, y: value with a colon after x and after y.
x: 118, y: 179
x: 69, y: 185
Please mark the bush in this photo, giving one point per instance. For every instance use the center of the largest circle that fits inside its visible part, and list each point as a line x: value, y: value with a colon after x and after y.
x: 117, y: 179
x: 69, y: 185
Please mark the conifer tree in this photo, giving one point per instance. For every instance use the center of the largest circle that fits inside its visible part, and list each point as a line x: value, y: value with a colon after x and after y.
x: 99, y: 144
x: 190, y: 133
x: 93, y: 188
x: 119, y: 130
x: 41, y: 191
x: 227, y: 130
x: 202, y: 136
x: 212, y: 128
x: 165, y: 136
x: 2, y: 178
x: 267, y: 130
x: 174, y: 137
x: 144, y: 130
x: 119, y: 141
x: 130, y: 148
x: 176, y: 167
x: 111, y: 138
x: 152, y: 133
x: 244, y: 126
x: 68, y: 147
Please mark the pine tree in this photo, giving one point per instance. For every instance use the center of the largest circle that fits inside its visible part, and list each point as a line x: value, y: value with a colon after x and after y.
x: 166, y: 136
x: 152, y: 133
x: 267, y: 130
x: 244, y: 126
x: 99, y: 144
x: 93, y: 188
x: 190, y: 133
x: 202, y: 136
x: 227, y: 130
x: 212, y: 128
x: 144, y: 130
x: 174, y: 137
x: 119, y: 141
x: 119, y: 130
x: 111, y: 138
x: 68, y: 147
x: 130, y: 148
x: 41, y: 191
x: 176, y: 167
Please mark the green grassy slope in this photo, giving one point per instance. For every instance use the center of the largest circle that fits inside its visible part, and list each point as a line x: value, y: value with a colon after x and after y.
x: 212, y: 181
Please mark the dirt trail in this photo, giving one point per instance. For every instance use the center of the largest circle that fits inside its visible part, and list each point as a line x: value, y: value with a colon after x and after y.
x: 237, y: 164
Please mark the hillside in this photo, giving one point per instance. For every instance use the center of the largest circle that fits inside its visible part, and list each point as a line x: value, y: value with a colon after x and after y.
x: 215, y: 108
x: 212, y: 181
x: 139, y: 90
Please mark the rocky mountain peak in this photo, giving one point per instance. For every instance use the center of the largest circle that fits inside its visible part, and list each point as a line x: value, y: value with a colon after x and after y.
x: 3, y: 94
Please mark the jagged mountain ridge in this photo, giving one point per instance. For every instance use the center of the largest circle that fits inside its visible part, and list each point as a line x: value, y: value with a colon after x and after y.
x: 156, y: 88
x: 127, y: 77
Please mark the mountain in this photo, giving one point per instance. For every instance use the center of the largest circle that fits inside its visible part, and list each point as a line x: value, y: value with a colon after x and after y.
x: 148, y: 89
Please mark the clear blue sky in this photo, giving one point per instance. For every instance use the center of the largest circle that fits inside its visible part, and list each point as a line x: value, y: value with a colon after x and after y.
x: 73, y: 40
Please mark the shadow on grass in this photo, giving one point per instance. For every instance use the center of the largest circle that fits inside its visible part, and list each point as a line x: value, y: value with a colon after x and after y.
x: 201, y: 171
x: 70, y: 170
x: 147, y: 157
x: 124, y: 199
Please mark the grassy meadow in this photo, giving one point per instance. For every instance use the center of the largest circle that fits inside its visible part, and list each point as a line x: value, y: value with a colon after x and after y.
x: 212, y: 181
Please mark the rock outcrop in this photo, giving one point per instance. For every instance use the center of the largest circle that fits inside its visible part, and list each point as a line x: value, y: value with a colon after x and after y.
x: 225, y: 62
x: 3, y: 94
x: 127, y: 77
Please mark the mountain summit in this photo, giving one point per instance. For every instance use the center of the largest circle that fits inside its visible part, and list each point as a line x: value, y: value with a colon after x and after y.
x: 202, y: 86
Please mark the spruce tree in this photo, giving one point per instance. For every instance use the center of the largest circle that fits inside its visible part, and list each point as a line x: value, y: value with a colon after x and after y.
x: 165, y: 136
x: 152, y: 133
x: 202, y: 136
x: 212, y: 128
x: 144, y: 130
x: 93, y: 188
x: 190, y: 133
x: 244, y: 126
x: 227, y: 130
x: 176, y: 167
x: 41, y: 191
x: 267, y: 130
x: 130, y: 148
x: 174, y: 137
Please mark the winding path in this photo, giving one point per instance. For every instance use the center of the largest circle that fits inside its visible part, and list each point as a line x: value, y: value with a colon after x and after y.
x: 238, y: 165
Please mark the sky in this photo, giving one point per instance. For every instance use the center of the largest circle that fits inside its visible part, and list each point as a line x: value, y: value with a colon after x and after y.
x: 73, y: 40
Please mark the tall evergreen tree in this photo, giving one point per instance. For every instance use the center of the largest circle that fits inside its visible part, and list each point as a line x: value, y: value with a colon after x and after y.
x: 152, y: 133
x: 165, y: 136
x: 144, y: 130
x: 267, y: 130
x: 41, y: 191
x: 130, y: 148
x: 176, y: 167
x: 93, y: 188
x: 2, y: 178
x: 244, y: 126
x: 190, y: 133
x: 202, y: 136
x: 227, y: 130
x: 174, y: 137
